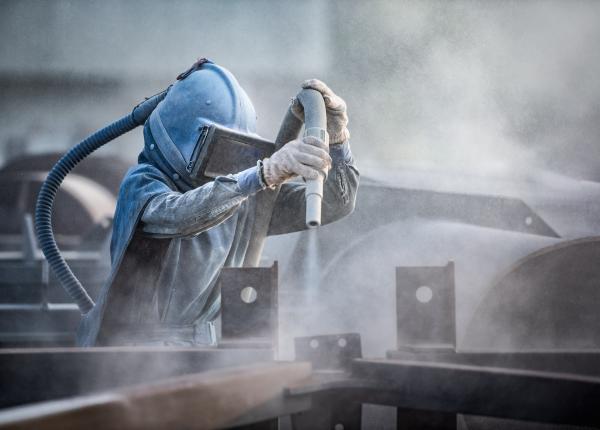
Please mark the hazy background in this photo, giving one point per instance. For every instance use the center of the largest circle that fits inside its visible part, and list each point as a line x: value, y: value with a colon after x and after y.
x: 496, y: 98
x: 493, y: 87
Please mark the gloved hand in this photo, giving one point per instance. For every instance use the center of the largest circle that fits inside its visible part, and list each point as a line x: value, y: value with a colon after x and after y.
x: 308, y: 158
x: 337, y: 118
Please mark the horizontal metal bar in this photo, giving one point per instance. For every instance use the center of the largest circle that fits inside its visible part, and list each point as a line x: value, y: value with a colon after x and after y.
x: 28, y: 324
x: 499, y: 392
x: 213, y: 399
x: 566, y: 361
x: 39, y: 374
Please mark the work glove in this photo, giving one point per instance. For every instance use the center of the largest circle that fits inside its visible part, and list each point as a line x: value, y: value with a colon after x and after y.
x: 337, y: 118
x: 308, y: 157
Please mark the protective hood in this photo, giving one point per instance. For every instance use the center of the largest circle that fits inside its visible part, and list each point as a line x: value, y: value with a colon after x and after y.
x: 208, y: 96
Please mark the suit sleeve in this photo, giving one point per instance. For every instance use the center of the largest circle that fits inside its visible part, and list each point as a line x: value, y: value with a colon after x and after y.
x: 172, y: 214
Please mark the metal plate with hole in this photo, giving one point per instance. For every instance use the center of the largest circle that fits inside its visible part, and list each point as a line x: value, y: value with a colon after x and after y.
x: 425, y: 305
x: 249, y: 303
x: 329, y: 351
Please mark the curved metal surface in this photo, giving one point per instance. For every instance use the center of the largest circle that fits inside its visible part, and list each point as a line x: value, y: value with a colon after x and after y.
x: 548, y: 299
x: 105, y: 170
x: 83, y: 204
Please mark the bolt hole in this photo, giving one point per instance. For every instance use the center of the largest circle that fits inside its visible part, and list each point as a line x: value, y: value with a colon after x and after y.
x: 314, y: 343
x: 342, y: 342
x: 424, y: 294
x: 248, y: 295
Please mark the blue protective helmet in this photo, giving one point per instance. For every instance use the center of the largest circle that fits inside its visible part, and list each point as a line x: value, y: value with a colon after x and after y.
x: 209, y: 95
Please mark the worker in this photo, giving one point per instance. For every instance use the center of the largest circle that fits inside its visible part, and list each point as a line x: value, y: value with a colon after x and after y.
x: 174, y: 231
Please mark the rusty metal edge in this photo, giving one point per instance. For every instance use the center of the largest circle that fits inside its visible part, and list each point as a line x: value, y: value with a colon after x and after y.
x: 213, y: 399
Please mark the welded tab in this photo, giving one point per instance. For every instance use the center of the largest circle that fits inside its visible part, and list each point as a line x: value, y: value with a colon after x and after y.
x: 329, y: 352
x: 249, y: 304
x: 425, y: 306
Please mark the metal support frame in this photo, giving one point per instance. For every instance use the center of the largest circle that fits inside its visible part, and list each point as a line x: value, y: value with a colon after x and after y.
x: 34, y: 308
x: 426, y: 379
x: 434, y: 393
x: 425, y: 393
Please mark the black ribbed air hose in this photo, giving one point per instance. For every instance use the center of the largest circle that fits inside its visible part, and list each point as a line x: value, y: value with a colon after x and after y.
x: 45, y: 201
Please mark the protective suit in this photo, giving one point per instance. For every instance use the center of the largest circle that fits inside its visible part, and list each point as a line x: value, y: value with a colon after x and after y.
x: 173, y: 231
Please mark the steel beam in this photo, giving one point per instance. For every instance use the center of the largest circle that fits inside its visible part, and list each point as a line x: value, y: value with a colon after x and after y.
x: 581, y: 362
x: 206, y: 400
x: 507, y: 393
x: 34, y: 375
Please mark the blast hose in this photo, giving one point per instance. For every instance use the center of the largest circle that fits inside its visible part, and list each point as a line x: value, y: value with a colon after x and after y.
x: 315, y: 118
x: 45, y: 201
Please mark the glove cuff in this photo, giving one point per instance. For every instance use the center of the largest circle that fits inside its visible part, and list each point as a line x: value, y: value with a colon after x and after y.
x: 261, y: 176
x: 340, y: 137
x: 268, y: 174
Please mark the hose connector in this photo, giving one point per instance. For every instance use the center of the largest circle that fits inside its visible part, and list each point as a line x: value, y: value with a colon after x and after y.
x: 142, y: 111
